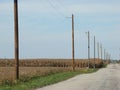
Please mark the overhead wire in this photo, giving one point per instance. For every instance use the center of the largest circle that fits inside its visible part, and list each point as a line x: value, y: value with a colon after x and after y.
x: 56, y: 9
x: 62, y: 4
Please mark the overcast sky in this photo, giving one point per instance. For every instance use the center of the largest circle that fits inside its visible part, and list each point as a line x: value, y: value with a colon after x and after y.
x: 45, y: 27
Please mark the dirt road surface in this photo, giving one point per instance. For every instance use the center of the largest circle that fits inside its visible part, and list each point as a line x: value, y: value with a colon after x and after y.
x: 104, y: 79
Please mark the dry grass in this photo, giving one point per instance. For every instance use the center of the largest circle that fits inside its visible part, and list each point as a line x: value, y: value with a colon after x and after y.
x: 7, y: 73
x: 49, y: 62
x: 37, y: 67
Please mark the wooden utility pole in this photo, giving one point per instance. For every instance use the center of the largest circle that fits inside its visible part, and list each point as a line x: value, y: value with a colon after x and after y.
x: 73, y: 42
x: 88, y: 49
x: 104, y: 54
x: 119, y: 55
x: 98, y: 49
x: 101, y: 51
x: 16, y: 41
x: 94, y: 51
x: 107, y: 56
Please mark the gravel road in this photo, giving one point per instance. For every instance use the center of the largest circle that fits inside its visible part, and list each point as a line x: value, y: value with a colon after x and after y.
x: 104, y: 79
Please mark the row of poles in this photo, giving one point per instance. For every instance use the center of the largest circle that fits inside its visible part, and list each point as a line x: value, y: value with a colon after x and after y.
x: 16, y: 42
x: 99, y: 46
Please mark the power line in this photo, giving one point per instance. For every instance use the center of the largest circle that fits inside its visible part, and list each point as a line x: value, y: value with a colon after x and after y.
x: 62, y: 5
x: 54, y: 7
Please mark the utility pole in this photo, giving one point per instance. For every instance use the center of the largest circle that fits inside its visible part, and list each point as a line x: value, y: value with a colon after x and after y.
x: 73, y: 42
x: 98, y: 49
x: 88, y: 33
x: 104, y: 54
x: 101, y: 51
x: 119, y: 55
x: 107, y: 56
x: 16, y: 40
x: 94, y: 51
x: 88, y: 36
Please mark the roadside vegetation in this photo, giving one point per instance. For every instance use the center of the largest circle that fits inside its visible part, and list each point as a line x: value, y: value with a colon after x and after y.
x: 27, y: 83
x: 36, y: 73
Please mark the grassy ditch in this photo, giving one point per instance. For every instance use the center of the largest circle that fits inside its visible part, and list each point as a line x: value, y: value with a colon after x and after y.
x: 26, y: 83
